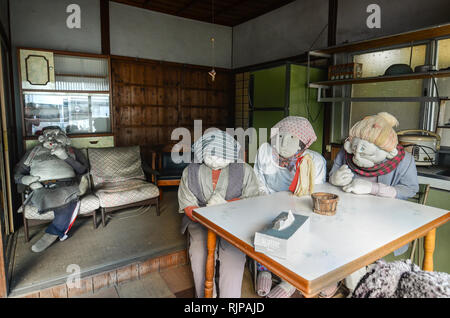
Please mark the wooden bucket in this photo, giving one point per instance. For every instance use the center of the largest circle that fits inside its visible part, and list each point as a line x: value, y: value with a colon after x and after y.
x: 325, y: 203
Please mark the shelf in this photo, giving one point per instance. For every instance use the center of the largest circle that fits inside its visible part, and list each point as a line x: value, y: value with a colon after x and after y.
x: 82, y: 76
x: 407, y: 37
x: 64, y: 91
x: 378, y: 79
x: 381, y: 99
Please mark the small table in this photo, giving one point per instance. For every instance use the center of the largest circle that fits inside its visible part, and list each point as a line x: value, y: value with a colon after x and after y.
x: 364, y: 229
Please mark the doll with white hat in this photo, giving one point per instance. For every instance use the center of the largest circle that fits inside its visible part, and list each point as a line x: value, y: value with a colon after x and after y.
x: 372, y: 162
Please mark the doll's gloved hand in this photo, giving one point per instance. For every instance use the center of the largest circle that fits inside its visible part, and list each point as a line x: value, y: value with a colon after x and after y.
x: 359, y: 186
x: 216, y: 199
x: 27, y: 180
x: 36, y: 185
x: 342, y: 177
x: 60, y: 152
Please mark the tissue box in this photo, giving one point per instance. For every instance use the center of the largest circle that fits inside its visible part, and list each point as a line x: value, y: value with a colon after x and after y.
x: 282, y: 243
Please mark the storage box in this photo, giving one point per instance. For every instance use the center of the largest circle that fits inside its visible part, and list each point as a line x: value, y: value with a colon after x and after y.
x: 282, y: 243
x: 345, y: 71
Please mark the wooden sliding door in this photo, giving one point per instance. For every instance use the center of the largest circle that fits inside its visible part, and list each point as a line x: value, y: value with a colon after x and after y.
x: 152, y: 98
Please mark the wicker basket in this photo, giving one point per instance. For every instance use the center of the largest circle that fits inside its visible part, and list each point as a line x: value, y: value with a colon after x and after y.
x: 325, y: 203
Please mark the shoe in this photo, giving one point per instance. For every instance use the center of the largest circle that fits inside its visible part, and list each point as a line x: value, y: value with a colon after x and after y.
x: 44, y: 242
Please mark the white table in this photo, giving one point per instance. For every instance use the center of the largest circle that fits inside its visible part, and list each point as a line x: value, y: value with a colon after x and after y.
x: 364, y: 229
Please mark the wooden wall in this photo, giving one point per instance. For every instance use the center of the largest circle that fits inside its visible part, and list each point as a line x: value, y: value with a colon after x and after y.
x: 151, y: 98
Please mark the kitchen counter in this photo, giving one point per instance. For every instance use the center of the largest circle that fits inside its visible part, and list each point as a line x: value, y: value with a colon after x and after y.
x: 437, y: 177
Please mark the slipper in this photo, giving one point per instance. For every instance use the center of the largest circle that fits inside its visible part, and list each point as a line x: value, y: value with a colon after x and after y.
x: 282, y: 290
x: 330, y: 291
x: 264, y: 283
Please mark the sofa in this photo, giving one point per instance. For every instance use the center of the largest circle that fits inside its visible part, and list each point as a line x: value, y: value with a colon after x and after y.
x: 118, y: 180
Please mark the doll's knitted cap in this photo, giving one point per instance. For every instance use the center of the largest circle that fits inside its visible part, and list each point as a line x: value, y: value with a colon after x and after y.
x: 377, y: 129
x: 299, y: 127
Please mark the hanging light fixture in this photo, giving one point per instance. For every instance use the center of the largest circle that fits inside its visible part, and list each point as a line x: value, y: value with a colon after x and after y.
x: 213, y: 73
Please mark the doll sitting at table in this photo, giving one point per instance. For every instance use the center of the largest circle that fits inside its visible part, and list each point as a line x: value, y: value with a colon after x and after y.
x: 373, y: 162
x: 276, y: 168
x: 215, y: 178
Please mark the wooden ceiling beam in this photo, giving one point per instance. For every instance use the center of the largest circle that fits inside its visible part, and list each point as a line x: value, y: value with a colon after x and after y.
x: 229, y: 7
x: 187, y: 6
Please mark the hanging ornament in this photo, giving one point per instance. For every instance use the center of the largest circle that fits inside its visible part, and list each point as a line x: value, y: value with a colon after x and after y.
x: 213, y: 73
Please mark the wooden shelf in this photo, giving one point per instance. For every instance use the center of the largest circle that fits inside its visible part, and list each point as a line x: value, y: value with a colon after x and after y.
x: 407, y: 37
x: 378, y: 79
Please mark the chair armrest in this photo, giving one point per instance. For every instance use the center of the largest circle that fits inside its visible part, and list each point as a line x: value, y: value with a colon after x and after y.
x: 150, y: 171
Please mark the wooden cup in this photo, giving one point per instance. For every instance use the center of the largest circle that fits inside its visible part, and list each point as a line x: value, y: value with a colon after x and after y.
x: 324, y: 203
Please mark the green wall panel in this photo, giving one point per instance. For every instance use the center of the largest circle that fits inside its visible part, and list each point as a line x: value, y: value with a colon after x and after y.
x: 269, y: 87
x: 304, y: 106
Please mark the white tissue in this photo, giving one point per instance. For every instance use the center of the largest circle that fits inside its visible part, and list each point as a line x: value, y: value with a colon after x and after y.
x: 284, y: 222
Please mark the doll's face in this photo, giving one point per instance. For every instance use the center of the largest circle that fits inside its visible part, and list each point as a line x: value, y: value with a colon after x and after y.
x: 288, y: 145
x: 52, y: 138
x: 216, y: 163
x: 365, y: 153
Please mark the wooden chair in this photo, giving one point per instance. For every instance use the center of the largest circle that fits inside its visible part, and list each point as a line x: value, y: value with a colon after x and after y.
x: 169, y: 172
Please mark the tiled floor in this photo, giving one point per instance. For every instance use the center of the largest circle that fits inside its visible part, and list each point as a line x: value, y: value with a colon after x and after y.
x: 174, y: 283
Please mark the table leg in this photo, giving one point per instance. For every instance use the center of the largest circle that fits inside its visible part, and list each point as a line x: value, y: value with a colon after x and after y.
x: 428, y: 245
x: 210, y: 262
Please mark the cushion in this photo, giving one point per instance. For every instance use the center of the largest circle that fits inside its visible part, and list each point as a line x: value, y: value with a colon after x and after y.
x: 115, y: 199
x: 89, y: 203
x: 115, y: 164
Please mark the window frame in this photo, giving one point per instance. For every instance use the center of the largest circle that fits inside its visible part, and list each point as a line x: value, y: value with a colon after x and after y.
x: 67, y: 53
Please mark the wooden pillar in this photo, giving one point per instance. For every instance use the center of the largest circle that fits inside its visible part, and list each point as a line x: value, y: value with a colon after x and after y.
x: 105, y: 29
x: 429, y: 244
x: 210, y: 262
x: 332, y: 31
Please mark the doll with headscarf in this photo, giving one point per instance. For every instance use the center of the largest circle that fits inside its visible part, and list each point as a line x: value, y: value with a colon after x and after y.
x: 215, y: 177
x: 372, y: 162
x: 276, y: 167
x: 54, y: 172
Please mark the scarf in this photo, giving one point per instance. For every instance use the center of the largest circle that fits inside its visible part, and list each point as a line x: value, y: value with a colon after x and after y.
x: 380, y: 169
x: 216, y: 143
x: 288, y: 163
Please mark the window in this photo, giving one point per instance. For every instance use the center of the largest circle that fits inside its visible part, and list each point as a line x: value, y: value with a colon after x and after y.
x: 68, y: 91
x: 376, y: 64
x: 443, y: 89
x: 74, y: 113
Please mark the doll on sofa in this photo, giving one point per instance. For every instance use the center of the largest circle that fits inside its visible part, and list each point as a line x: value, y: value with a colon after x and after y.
x: 53, y: 171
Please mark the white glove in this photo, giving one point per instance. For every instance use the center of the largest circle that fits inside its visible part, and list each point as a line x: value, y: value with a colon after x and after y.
x: 60, y: 152
x: 36, y: 185
x: 342, y: 177
x: 27, y: 180
x: 359, y: 186
x: 216, y: 199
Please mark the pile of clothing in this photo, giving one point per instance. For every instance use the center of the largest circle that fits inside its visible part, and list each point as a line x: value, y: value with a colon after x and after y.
x: 402, y: 279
